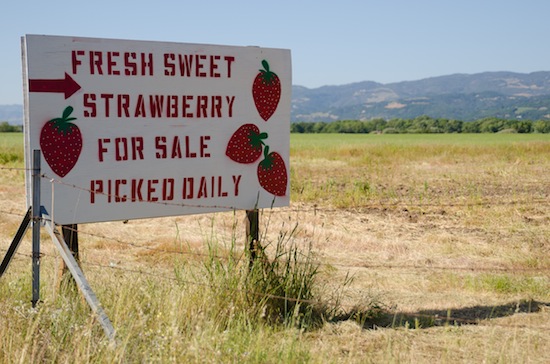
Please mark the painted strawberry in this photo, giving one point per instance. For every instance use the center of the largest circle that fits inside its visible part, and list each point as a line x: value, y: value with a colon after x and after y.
x: 245, y: 145
x: 272, y: 173
x: 266, y: 91
x: 61, y: 143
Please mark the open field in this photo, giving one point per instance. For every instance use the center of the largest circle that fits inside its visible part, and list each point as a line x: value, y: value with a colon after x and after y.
x: 431, y: 248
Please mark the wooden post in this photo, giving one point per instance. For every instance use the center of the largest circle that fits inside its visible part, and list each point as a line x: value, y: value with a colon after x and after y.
x: 252, y: 234
x: 70, y: 235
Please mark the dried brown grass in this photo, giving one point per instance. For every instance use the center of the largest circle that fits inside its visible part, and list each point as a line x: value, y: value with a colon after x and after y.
x: 446, y: 227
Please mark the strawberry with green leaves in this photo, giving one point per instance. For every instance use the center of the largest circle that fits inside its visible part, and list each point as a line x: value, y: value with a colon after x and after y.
x: 61, y: 143
x: 266, y: 91
x: 245, y: 145
x: 272, y: 173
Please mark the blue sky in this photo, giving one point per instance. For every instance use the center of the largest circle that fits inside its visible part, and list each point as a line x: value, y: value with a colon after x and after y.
x: 332, y: 42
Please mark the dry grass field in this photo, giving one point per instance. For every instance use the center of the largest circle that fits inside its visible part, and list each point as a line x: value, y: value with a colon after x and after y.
x: 414, y: 248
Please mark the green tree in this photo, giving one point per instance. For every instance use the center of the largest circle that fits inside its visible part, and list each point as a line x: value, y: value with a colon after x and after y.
x: 399, y: 125
x: 297, y: 127
x: 5, y: 127
x: 453, y: 126
x: 378, y: 124
x: 318, y: 127
x: 519, y: 126
x: 471, y: 127
x: 492, y: 125
x: 541, y: 126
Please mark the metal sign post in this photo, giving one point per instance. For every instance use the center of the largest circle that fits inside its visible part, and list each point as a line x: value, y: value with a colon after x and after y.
x: 36, y: 221
x: 39, y: 216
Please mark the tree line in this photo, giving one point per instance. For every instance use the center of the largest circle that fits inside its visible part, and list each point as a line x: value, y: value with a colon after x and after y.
x: 422, y: 125
x: 419, y: 125
x: 6, y: 127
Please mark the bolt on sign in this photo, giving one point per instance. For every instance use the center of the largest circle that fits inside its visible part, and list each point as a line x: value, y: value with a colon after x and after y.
x: 137, y: 129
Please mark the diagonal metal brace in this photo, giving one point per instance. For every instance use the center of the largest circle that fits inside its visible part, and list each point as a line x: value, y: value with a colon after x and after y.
x: 79, y: 277
x: 15, y: 242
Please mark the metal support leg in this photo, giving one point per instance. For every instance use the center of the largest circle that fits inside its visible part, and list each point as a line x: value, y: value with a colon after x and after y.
x: 36, y: 221
x: 15, y: 242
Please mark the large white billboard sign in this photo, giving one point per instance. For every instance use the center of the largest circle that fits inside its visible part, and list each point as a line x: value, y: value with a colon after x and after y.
x: 136, y: 129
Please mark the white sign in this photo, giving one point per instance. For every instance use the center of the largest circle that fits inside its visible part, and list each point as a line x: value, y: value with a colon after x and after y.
x: 137, y: 129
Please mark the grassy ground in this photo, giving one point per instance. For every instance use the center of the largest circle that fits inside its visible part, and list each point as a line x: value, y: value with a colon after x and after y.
x: 414, y: 248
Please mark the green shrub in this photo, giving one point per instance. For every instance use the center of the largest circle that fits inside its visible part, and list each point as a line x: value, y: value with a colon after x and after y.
x: 278, y: 287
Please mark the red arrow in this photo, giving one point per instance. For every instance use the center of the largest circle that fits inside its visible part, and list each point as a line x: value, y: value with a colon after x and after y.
x: 66, y: 85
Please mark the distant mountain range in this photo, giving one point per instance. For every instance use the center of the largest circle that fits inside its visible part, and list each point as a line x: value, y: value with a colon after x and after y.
x: 460, y: 96
x: 464, y: 97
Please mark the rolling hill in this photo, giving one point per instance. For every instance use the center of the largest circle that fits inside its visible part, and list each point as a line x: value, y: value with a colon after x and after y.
x: 460, y: 96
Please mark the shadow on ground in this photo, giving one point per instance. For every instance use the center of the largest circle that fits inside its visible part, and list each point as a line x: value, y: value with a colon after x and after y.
x: 429, y: 318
